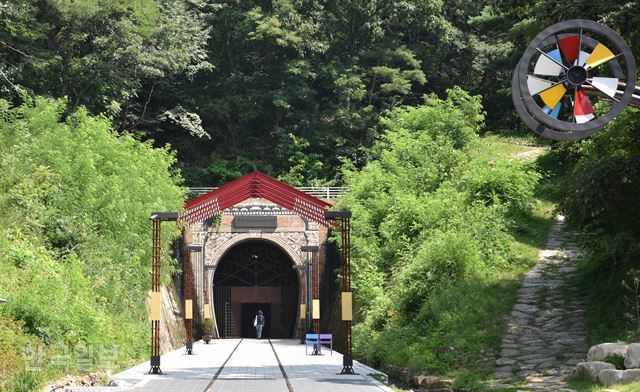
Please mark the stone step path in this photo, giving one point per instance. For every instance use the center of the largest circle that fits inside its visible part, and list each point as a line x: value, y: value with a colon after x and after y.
x: 546, y: 333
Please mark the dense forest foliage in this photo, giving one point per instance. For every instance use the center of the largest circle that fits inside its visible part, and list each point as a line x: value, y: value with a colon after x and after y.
x: 230, y: 83
x: 109, y: 107
x: 288, y: 86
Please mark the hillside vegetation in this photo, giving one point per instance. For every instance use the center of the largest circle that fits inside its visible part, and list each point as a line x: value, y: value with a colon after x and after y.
x: 288, y: 87
x: 75, y: 199
x: 597, y: 184
x: 437, y: 240
x: 107, y: 105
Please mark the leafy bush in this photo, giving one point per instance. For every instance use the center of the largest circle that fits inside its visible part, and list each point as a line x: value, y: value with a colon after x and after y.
x: 505, y: 182
x: 451, y: 256
x: 84, y: 189
x: 456, y: 119
x: 432, y: 238
x: 26, y: 381
x: 13, y: 340
x: 75, y: 200
x: 38, y: 282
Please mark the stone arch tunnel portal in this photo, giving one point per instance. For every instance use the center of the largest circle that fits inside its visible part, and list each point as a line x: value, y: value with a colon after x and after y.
x: 255, y: 275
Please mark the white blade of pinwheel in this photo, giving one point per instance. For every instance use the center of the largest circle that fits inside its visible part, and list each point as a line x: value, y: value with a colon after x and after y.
x: 546, y: 66
x: 537, y: 85
x: 608, y: 86
x: 583, y: 58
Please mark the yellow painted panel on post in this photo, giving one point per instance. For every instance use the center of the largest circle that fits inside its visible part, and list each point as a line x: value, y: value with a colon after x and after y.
x: 601, y: 54
x: 316, y: 309
x: 188, y: 309
x: 303, y: 310
x: 347, y: 306
x: 207, y: 312
x: 552, y: 96
x: 155, y: 306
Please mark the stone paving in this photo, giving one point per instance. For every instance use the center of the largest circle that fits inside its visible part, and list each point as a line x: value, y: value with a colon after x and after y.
x: 253, y: 366
x: 182, y: 373
x: 546, y: 334
x: 319, y: 373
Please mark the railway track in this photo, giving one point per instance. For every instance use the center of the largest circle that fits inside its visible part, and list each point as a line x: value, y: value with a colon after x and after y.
x: 217, y: 377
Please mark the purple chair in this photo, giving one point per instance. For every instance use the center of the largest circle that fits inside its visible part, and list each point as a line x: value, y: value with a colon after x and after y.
x: 326, y: 338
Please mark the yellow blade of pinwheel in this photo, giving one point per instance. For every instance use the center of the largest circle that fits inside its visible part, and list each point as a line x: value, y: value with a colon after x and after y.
x: 601, y: 54
x: 552, y: 96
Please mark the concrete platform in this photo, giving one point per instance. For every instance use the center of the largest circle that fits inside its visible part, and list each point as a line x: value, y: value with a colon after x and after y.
x: 233, y: 365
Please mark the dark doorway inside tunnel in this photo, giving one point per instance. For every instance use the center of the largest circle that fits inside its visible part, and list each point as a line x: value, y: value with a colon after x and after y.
x: 249, y: 311
x: 254, y: 275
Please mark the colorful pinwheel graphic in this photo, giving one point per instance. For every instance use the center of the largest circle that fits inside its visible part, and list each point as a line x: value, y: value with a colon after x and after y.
x: 564, y: 74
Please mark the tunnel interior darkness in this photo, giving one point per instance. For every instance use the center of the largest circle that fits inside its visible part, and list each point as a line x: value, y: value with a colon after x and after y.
x: 255, y: 275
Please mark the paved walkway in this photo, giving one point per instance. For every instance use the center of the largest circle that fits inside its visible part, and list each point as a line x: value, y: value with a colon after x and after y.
x: 252, y: 367
x: 182, y: 373
x: 319, y: 373
x: 233, y: 365
x: 546, y: 334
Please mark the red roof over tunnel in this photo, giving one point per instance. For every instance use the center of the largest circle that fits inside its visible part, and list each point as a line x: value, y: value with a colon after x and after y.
x: 260, y: 185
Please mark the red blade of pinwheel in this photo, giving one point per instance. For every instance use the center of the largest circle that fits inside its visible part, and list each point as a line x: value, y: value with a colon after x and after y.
x: 570, y: 47
x: 582, y: 108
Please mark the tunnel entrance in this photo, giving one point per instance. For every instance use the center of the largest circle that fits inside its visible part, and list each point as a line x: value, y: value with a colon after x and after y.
x: 255, y: 275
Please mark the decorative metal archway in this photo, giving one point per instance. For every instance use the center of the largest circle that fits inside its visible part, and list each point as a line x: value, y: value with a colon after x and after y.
x: 343, y: 218
x: 564, y: 70
x: 157, y: 218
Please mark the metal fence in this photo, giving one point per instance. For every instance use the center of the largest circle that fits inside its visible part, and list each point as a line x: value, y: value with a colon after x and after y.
x: 321, y: 192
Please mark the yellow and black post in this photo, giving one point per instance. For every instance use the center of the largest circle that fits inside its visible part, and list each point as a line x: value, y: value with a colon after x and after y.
x: 344, y: 218
x: 206, y: 313
x: 156, y: 219
x: 188, y: 295
x: 312, y: 307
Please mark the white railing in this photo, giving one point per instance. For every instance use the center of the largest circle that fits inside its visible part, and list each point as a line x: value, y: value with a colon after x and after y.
x: 321, y: 192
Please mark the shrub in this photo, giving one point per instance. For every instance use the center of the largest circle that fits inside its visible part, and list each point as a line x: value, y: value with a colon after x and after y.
x: 25, y: 381
x: 430, y: 237
x: 449, y: 257
x: 457, y: 119
x: 13, y: 341
x: 75, y: 200
x: 504, y: 182
x: 82, y: 188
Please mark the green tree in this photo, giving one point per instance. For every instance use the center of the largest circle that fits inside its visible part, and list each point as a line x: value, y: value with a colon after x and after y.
x: 295, y: 78
x: 108, y: 56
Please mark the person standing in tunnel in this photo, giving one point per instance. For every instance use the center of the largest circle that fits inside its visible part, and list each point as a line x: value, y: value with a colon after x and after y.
x: 258, y: 322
